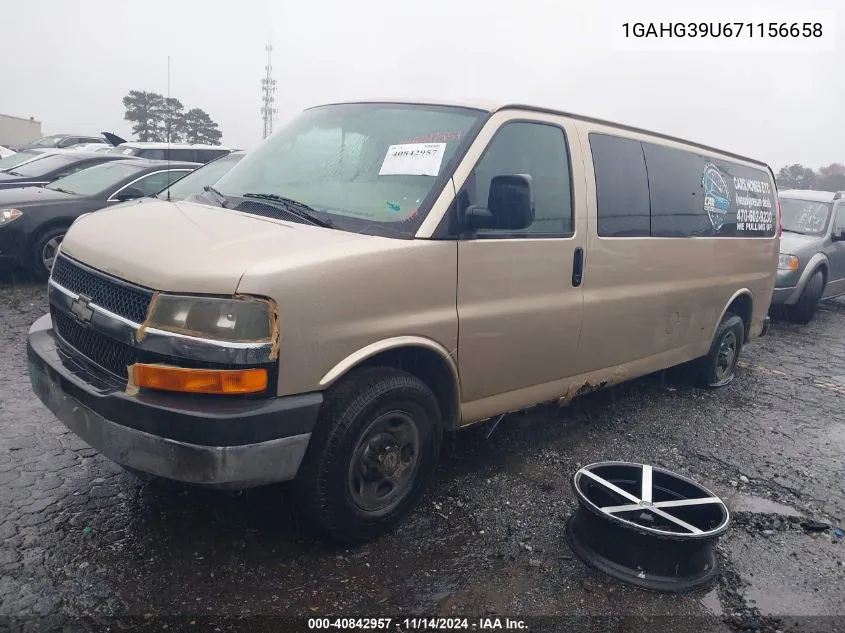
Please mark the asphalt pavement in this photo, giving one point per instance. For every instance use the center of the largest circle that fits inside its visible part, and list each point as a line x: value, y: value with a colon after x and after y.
x: 86, y: 546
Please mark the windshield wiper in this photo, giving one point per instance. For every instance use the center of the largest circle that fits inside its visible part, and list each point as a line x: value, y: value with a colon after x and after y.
x: 73, y: 193
x: 223, y: 200
x: 294, y: 206
x: 14, y: 173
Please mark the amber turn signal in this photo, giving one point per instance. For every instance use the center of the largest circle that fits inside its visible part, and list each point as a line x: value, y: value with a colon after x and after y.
x: 221, y: 381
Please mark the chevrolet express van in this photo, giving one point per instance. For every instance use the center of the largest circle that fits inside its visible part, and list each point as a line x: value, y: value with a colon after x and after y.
x: 377, y: 274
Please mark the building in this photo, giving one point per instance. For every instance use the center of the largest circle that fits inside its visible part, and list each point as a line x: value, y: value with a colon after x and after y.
x: 18, y: 131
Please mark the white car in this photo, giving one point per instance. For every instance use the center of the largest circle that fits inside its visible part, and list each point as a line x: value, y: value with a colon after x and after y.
x: 5, y: 151
x: 93, y: 147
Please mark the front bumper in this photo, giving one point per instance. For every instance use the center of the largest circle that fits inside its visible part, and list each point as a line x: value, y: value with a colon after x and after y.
x: 194, y: 439
x: 784, y: 296
x: 12, y: 244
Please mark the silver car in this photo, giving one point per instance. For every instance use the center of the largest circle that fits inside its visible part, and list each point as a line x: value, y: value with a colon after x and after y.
x: 811, y: 266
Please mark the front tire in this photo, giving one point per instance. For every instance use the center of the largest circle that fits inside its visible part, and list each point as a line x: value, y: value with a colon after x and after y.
x: 718, y: 367
x: 804, y: 311
x: 371, y: 456
x: 44, y: 251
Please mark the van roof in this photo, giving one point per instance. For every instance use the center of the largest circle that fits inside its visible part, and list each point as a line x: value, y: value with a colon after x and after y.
x: 491, y: 107
x: 808, y: 194
x: 156, y: 145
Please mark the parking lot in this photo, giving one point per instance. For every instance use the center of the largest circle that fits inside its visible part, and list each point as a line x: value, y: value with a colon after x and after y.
x: 81, y: 538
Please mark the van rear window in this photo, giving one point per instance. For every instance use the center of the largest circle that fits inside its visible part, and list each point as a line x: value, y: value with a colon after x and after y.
x: 690, y: 195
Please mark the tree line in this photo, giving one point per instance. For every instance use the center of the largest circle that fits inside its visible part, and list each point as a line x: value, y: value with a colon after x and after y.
x: 164, y: 119
x: 829, y: 178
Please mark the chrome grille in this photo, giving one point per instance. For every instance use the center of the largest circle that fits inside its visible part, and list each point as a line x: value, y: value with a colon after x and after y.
x: 109, y: 354
x: 130, y: 302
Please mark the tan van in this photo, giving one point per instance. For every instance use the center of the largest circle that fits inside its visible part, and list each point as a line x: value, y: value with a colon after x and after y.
x: 376, y: 274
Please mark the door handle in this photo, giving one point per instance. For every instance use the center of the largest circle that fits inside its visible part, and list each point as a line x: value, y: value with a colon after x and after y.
x: 577, y: 266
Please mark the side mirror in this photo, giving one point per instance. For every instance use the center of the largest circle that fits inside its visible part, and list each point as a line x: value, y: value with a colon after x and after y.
x: 510, y: 205
x: 130, y: 193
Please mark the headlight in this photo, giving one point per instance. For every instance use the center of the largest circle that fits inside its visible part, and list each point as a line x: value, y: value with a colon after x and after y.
x: 8, y: 215
x: 241, y: 320
x: 788, y: 262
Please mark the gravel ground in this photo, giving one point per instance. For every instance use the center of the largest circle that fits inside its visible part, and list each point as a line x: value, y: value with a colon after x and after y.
x: 86, y: 546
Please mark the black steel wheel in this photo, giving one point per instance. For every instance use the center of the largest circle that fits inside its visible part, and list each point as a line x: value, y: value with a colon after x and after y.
x: 646, y: 526
x: 718, y: 367
x: 371, y: 455
x: 384, y: 463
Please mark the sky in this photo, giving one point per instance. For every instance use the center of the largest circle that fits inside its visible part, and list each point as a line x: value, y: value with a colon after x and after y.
x: 69, y: 64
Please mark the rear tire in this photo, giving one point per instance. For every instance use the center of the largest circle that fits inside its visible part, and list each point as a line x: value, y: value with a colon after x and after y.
x: 371, y: 456
x: 44, y: 251
x: 718, y: 367
x: 804, y: 311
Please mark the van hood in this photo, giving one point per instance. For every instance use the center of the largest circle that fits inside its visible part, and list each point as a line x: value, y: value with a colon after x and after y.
x: 198, y: 249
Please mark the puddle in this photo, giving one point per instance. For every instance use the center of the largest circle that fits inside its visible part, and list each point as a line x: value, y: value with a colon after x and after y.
x: 775, y: 601
x: 739, y: 502
x: 711, y: 602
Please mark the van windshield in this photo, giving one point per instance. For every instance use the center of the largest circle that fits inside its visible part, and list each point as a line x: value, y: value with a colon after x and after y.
x: 371, y: 167
x: 804, y: 216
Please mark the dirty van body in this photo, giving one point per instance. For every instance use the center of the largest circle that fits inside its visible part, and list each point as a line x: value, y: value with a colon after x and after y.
x: 378, y: 274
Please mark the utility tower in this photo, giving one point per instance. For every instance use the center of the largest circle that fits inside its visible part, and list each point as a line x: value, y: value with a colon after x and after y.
x: 268, y: 89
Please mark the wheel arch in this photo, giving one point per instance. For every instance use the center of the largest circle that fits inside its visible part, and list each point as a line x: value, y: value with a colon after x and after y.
x: 742, y: 305
x: 817, y: 262
x: 35, y: 236
x: 52, y: 223
x: 425, y: 358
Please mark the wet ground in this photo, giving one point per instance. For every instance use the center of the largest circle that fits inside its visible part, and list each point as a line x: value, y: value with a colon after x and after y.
x: 86, y: 545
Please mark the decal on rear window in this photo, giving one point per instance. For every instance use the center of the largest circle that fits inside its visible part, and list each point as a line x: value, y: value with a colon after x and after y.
x: 716, y: 195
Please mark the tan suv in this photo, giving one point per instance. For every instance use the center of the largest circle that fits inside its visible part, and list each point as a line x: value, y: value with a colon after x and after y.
x: 377, y: 274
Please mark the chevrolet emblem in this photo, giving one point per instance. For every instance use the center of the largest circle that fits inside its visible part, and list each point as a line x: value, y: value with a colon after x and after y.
x: 81, y: 310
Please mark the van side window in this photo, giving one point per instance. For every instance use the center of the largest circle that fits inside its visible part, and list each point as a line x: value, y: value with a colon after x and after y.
x: 537, y: 149
x: 677, y: 196
x: 622, y: 195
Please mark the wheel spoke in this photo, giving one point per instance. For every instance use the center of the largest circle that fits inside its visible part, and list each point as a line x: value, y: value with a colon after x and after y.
x: 676, y: 520
x: 604, y: 482
x: 626, y: 508
x: 677, y: 503
x: 645, y: 490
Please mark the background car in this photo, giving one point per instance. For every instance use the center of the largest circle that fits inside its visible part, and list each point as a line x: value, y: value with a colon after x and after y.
x: 811, y: 266
x: 70, y: 140
x: 24, y: 156
x: 33, y: 220
x: 199, y: 179
x: 93, y: 147
x: 172, y: 151
x: 51, y: 167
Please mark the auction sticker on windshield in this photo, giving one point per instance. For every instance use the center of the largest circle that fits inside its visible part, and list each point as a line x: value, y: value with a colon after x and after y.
x: 413, y: 159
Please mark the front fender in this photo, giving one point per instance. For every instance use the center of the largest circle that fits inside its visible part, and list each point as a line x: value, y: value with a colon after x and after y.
x: 819, y: 259
x: 358, y: 357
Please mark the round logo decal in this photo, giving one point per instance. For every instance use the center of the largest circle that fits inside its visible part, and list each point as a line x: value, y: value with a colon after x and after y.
x: 716, y: 195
